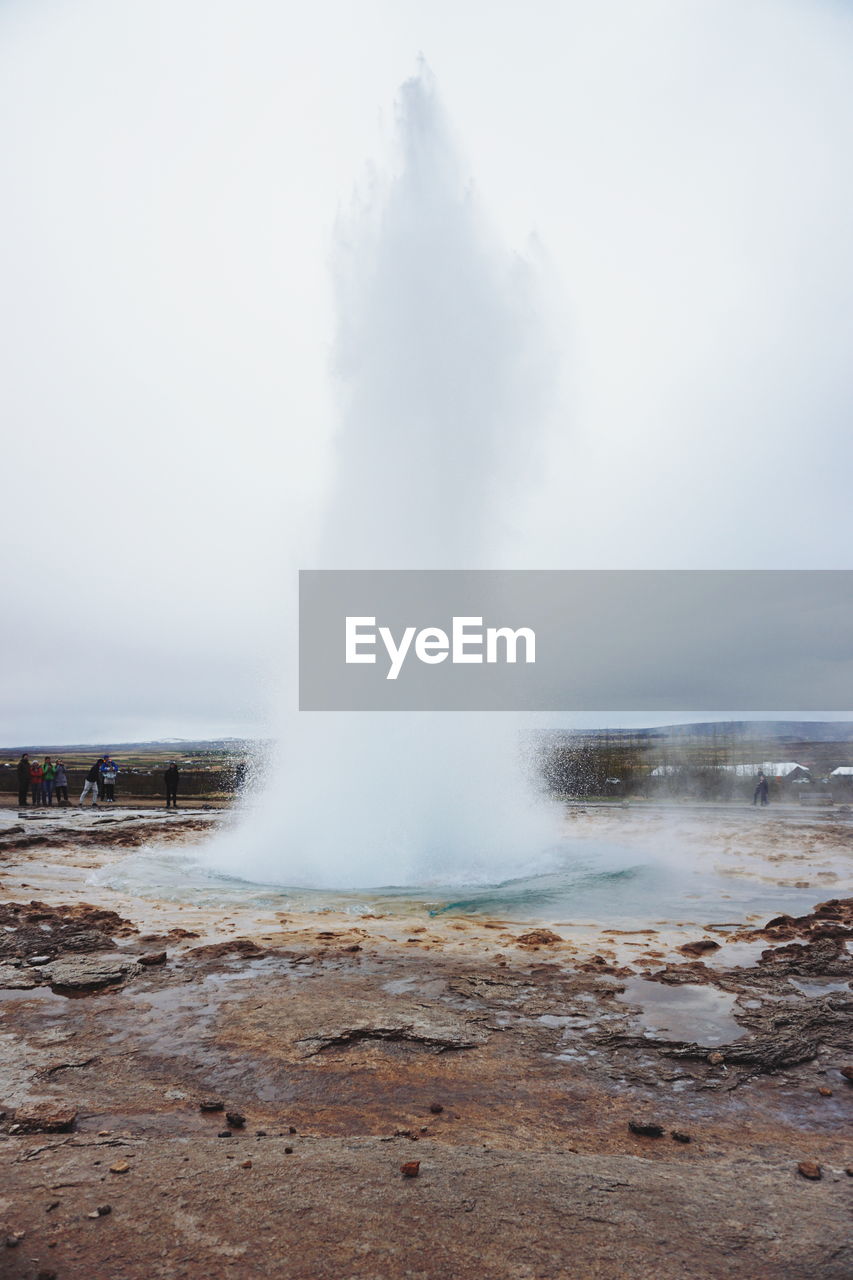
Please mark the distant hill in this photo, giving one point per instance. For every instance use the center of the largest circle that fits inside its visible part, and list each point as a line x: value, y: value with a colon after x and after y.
x: 186, y: 746
x: 736, y: 730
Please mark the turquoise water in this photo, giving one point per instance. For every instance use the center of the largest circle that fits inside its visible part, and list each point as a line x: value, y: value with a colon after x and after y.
x: 603, y: 885
x: 635, y: 894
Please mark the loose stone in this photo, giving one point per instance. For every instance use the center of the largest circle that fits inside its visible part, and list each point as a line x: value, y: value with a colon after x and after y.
x: 645, y: 1130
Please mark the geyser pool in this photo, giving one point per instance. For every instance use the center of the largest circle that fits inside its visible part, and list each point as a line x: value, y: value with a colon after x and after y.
x: 592, y: 884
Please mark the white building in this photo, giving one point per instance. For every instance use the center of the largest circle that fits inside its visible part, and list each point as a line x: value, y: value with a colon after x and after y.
x: 771, y: 769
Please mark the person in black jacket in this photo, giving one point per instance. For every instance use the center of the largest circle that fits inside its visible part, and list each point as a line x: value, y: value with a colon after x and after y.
x: 760, y: 795
x: 172, y: 775
x: 23, y: 780
x: 91, y: 784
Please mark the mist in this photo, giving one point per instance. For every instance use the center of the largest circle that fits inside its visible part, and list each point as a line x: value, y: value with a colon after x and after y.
x: 441, y: 386
x: 175, y: 180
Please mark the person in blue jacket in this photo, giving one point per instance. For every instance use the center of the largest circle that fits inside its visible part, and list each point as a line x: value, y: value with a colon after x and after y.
x: 109, y: 773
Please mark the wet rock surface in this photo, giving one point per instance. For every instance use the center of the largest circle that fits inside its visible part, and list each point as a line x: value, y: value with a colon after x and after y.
x: 45, y: 1117
x: 437, y: 1034
x: 552, y: 1098
x: 129, y: 831
x: 700, y: 947
x: 831, y: 921
x: 34, y: 929
x: 87, y: 973
x: 516, y: 1077
x: 539, y: 938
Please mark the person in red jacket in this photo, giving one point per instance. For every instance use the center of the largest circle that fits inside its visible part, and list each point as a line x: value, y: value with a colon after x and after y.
x: 36, y: 782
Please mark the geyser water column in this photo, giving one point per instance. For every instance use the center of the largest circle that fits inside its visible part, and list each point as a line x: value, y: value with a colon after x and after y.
x: 441, y: 380
x: 439, y: 362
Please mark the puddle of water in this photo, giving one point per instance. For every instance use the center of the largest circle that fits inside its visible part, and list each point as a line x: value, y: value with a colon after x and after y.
x: 737, y: 955
x: 576, y: 1055
x: 398, y: 986
x: 43, y: 994
x: 209, y: 989
x: 820, y: 987
x: 701, y: 1015
x: 436, y: 987
x: 566, y: 1022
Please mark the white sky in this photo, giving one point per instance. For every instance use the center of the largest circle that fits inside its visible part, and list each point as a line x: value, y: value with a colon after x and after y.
x: 172, y: 176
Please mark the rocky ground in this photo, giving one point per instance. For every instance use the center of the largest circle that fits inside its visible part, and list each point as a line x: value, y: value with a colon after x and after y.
x: 191, y: 1095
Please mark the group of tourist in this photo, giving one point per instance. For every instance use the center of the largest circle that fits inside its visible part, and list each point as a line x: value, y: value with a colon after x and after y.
x: 38, y: 783
x: 41, y: 781
x: 102, y: 775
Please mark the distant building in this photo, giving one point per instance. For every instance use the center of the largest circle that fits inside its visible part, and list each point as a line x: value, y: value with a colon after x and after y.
x: 788, y: 770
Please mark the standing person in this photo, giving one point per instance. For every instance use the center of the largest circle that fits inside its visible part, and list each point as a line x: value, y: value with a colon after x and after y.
x: 36, y: 782
x: 23, y: 780
x: 49, y: 772
x: 172, y: 775
x: 760, y: 795
x: 109, y: 772
x: 61, y: 782
x: 91, y: 783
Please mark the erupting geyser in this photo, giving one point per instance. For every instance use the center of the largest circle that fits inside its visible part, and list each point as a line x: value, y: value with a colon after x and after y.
x: 442, y: 382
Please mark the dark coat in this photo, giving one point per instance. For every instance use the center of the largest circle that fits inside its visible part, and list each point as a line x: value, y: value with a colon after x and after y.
x: 24, y: 771
x: 172, y: 775
x: 94, y: 774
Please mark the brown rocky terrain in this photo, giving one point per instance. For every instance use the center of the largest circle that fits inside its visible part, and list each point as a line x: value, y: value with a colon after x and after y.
x: 222, y: 1101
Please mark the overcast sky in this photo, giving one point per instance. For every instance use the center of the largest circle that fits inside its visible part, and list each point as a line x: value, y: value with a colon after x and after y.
x: 174, y: 172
